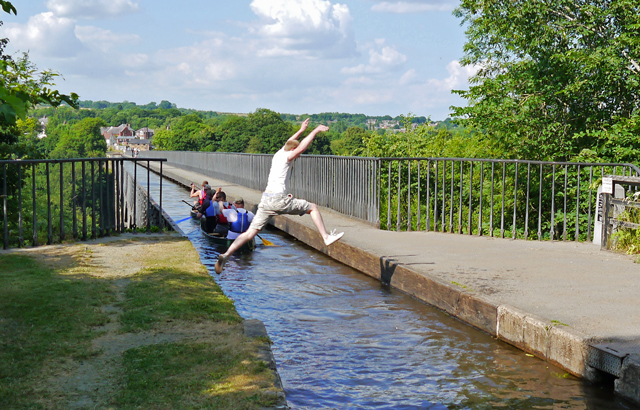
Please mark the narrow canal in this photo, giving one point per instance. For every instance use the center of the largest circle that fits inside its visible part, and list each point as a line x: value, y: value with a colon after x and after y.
x: 343, y: 340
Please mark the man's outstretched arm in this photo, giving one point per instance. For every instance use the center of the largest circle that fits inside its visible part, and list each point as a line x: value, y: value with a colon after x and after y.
x: 303, y: 127
x: 304, y: 144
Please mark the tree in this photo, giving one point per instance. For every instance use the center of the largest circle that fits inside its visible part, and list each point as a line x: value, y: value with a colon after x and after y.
x: 82, y: 140
x: 234, y: 134
x: 165, y: 105
x: 22, y: 86
x: 550, y: 72
x: 350, y: 143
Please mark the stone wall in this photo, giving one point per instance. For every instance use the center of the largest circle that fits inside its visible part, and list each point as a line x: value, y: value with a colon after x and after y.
x: 137, y: 209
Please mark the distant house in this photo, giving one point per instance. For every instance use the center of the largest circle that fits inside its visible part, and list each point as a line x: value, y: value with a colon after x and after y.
x: 43, y: 127
x: 117, y: 135
x: 144, y: 133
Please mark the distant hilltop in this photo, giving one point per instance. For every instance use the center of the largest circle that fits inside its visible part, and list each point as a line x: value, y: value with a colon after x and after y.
x: 368, y: 121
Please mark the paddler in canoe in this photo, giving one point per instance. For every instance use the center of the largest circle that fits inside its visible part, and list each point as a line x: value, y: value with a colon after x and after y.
x: 199, y: 193
x: 223, y: 222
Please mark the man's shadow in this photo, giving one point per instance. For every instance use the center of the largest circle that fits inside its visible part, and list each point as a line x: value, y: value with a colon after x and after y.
x: 388, y: 265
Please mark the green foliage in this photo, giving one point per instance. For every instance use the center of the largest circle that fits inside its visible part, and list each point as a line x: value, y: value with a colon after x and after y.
x: 351, y: 142
x: 552, y: 75
x: 83, y: 140
x: 428, y: 141
x: 624, y: 239
x: 78, y: 193
x: 22, y: 86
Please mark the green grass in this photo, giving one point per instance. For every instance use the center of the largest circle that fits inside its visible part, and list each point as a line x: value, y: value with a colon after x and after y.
x: 192, y: 376
x: 44, y: 317
x: 159, y: 294
x: 49, y: 315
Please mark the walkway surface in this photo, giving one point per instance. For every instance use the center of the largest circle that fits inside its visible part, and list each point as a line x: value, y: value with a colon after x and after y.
x: 590, y: 295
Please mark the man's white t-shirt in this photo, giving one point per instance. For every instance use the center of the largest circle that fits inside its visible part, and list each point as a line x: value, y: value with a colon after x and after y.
x: 279, y: 173
x: 232, y: 216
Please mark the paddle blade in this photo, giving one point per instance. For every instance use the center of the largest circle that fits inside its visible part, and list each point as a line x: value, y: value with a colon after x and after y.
x: 266, y: 242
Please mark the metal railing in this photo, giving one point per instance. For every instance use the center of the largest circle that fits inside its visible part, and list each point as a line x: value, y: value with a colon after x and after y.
x: 345, y: 184
x: 494, y: 197
x: 50, y: 201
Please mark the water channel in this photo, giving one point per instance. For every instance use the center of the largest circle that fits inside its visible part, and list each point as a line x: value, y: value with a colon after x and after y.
x: 343, y: 340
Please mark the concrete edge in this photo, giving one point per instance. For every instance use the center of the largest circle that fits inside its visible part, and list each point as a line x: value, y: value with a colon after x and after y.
x: 627, y: 385
x: 254, y: 328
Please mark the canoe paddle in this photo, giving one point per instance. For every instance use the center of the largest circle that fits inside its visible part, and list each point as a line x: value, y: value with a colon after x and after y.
x: 266, y: 242
x: 182, y: 220
x: 191, y: 205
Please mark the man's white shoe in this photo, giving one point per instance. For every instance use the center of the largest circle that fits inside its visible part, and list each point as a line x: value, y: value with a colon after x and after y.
x: 333, y: 236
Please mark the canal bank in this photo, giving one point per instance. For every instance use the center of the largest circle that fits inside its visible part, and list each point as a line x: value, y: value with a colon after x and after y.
x: 567, y: 303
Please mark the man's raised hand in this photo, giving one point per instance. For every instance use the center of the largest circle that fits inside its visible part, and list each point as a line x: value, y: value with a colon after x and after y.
x: 322, y: 128
x: 305, y: 124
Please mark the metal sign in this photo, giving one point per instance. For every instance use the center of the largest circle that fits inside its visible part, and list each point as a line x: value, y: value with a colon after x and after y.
x: 607, y: 185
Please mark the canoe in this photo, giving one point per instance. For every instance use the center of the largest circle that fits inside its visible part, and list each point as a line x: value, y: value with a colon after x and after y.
x: 218, y: 240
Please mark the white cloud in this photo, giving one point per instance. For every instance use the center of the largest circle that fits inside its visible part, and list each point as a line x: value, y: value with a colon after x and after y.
x: 207, y: 63
x: 407, y: 92
x: 44, y: 34
x: 458, y: 76
x: 382, y: 59
x: 408, y: 77
x: 91, y: 9
x: 414, y: 6
x: 103, y: 40
x: 311, y: 28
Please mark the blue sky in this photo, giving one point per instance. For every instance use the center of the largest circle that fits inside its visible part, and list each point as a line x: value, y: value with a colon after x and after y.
x: 291, y: 56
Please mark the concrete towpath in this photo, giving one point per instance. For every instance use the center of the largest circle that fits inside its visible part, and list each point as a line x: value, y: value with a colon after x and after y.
x: 566, y: 302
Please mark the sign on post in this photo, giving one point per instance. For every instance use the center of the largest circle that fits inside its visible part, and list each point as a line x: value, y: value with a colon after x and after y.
x: 607, y: 185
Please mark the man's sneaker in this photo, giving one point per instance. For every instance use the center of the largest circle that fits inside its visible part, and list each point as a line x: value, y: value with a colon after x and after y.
x: 333, y: 236
x: 222, y: 259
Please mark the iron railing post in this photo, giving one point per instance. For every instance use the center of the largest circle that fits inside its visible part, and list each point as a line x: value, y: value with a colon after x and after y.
x: 35, y: 209
x: 93, y: 202
x: 514, y: 228
x: 84, y: 202
x: 20, y: 221
x: 5, y: 214
x: 49, y: 227
x: 148, y: 199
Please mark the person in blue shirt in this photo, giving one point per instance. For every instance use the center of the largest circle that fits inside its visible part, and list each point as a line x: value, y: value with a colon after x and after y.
x: 239, y: 219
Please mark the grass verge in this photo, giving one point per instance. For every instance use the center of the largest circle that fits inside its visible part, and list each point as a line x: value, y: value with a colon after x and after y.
x: 45, y: 316
x: 132, y: 323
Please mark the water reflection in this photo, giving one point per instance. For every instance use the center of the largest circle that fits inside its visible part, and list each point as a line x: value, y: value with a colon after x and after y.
x: 344, y: 340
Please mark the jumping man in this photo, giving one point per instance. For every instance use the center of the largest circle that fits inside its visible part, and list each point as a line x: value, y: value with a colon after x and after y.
x: 276, y: 201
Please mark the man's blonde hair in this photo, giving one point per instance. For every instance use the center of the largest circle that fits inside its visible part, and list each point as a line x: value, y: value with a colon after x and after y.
x: 291, y: 145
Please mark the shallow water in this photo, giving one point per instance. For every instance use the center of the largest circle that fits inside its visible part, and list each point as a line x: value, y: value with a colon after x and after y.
x: 343, y: 340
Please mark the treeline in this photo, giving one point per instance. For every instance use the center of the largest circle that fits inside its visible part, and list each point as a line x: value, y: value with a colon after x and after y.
x: 75, y: 132
x: 349, y: 119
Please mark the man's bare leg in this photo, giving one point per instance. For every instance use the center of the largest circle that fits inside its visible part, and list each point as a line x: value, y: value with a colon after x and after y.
x: 235, y: 245
x: 316, y: 217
